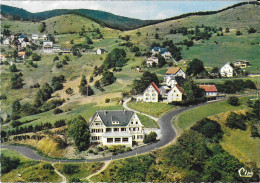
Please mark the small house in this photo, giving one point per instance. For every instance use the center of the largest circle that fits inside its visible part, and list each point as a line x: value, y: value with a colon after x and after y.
x: 175, y: 94
x: 175, y: 71
x: 151, y: 61
x: 151, y: 93
x: 100, y: 51
x: 35, y: 37
x: 21, y: 54
x: 56, y: 48
x: 7, y: 41
x: 241, y: 63
x: 163, y: 51
x: 47, y: 46
x: 210, y: 90
x: 227, y: 70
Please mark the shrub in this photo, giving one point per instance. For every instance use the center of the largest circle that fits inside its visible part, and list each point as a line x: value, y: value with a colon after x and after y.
x: 236, y: 121
x: 13, y: 68
x: 70, y: 169
x: 3, y: 97
x: 90, y: 151
x: 95, y: 153
x: 254, y: 131
x: 233, y: 101
x: 107, y: 100
x: 15, y: 123
x: 69, y: 91
x: 100, y: 149
x: 48, y: 166
x: 151, y: 137
x: 59, y: 123
x: 8, y: 163
x: 75, y: 180
x: 57, y: 111
x: 59, y: 65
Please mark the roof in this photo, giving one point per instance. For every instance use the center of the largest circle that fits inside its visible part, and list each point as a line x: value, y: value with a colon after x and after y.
x: 121, y: 116
x: 155, y: 87
x: 209, y: 88
x: 173, y: 70
x: 21, y: 53
x: 22, y: 36
x: 156, y: 48
x: 179, y: 88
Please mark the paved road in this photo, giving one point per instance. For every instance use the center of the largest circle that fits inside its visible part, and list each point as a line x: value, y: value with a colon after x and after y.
x: 165, y: 123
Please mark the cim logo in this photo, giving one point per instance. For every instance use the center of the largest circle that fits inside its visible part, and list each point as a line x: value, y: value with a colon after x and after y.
x: 244, y: 173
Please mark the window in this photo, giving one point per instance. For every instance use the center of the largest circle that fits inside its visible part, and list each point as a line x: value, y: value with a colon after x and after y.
x: 177, y: 95
x: 97, y: 123
x: 139, y: 137
x: 109, y: 140
x: 117, y: 140
x: 115, y: 129
x: 136, y: 123
x: 123, y: 129
x: 125, y: 139
x: 108, y: 130
x: 133, y: 136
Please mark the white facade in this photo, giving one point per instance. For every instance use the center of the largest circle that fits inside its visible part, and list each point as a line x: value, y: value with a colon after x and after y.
x: 35, y: 37
x: 175, y: 94
x: 47, y: 46
x: 227, y: 70
x: 166, y: 54
x: 151, y: 93
x: 7, y: 41
x: 151, y: 60
x: 110, y: 128
x: 100, y: 51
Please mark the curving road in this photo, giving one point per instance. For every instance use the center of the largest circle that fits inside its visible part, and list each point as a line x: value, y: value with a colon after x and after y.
x: 167, y: 131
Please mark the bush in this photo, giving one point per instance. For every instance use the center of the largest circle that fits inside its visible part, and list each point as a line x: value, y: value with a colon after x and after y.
x: 48, y: 166
x: 59, y: 65
x: 151, y: 137
x: 233, y: 101
x: 57, y: 111
x: 70, y: 169
x: 90, y: 151
x: 107, y: 100
x: 15, y: 123
x: 8, y: 163
x: 75, y: 180
x: 69, y: 91
x: 236, y: 121
x: 100, y: 149
x: 13, y: 68
x: 3, y: 97
x: 95, y: 153
x: 254, y: 131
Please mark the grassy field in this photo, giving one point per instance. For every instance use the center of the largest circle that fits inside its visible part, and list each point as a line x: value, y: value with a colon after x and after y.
x: 147, y: 122
x: 154, y: 109
x: 30, y: 170
x: 221, y: 81
x: 82, y: 170
x: 190, y: 117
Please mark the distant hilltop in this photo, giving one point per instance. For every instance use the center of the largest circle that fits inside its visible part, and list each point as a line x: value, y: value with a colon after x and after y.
x: 103, y: 18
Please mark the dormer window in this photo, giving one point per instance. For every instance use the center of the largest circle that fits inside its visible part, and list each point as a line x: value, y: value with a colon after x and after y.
x: 115, y: 122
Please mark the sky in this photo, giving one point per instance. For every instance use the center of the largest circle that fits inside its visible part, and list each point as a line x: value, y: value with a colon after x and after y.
x: 145, y: 10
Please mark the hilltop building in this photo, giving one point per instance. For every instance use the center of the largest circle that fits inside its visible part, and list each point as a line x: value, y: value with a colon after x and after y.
x: 241, y: 63
x: 116, y: 127
x: 100, y: 51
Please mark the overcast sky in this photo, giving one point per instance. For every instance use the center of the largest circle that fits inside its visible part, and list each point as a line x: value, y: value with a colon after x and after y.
x: 133, y: 9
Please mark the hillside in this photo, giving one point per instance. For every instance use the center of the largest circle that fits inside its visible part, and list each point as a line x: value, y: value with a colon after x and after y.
x: 104, y: 18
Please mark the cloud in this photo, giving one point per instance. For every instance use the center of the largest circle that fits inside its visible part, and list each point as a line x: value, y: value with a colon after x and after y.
x: 133, y: 9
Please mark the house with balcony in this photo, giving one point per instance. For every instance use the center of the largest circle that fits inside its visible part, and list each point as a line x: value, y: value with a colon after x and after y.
x: 116, y: 127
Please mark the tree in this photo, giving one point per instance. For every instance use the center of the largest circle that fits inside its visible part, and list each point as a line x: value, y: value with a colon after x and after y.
x: 233, y: 101
x: 57, y: 82
x: 42, y: 27
x: 88, y: 40
x: 43, y: 95
x: 227, y: 30
x: 13, y: 68
x: 156, y: 36
x: 151, y: 137
x: 236, y: 121
x: 8, y: 163
x: 251, y: 30
x: 16, y: 106
x: 83, y: 83
x: 195, y: 67
x: 78, y: 129
x: 17, y: 81
x: 134, y: 49
x: 238, y: 33
x: 192, y: 91
x: 69, y: 91
x: 116, y: 58
x: 97, y: 84
x: 140, y: 85
x: 36, y: 57
x: 214, y: 70
x: 107, y: 78
x: 87, y: 90
x: 161, y: 61
x: 91, y: 79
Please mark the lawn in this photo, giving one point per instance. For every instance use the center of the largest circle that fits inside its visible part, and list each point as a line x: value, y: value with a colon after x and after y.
x: 154, y: 109
x: 190, y: 117
x: 82, y: 170
x: 147, y: 122
x: 31, y: 170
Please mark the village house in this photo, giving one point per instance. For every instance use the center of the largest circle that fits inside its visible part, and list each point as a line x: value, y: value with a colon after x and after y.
x: 24, y: 44
x: 241, y: 63
x: 171, y: 80
x: 21, y: 54
x: 47, y: 46
x: 65, y: 50
x: 227, y: 70
x: 151, y: 61
x: 163, y: 51
x: 151, y: 93
x: 56, y: 48
x: 43, y: 37
x: 100, y: 51
x: 35, y: 37
x: 7, y: 41
x: 210, y: 90
x: 175, y: 94
x: 116, y: 127
x: 172, y: 72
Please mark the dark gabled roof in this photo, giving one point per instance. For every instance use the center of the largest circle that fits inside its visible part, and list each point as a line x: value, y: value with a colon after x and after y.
x: 156, y: 48
x: 122, y: 116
